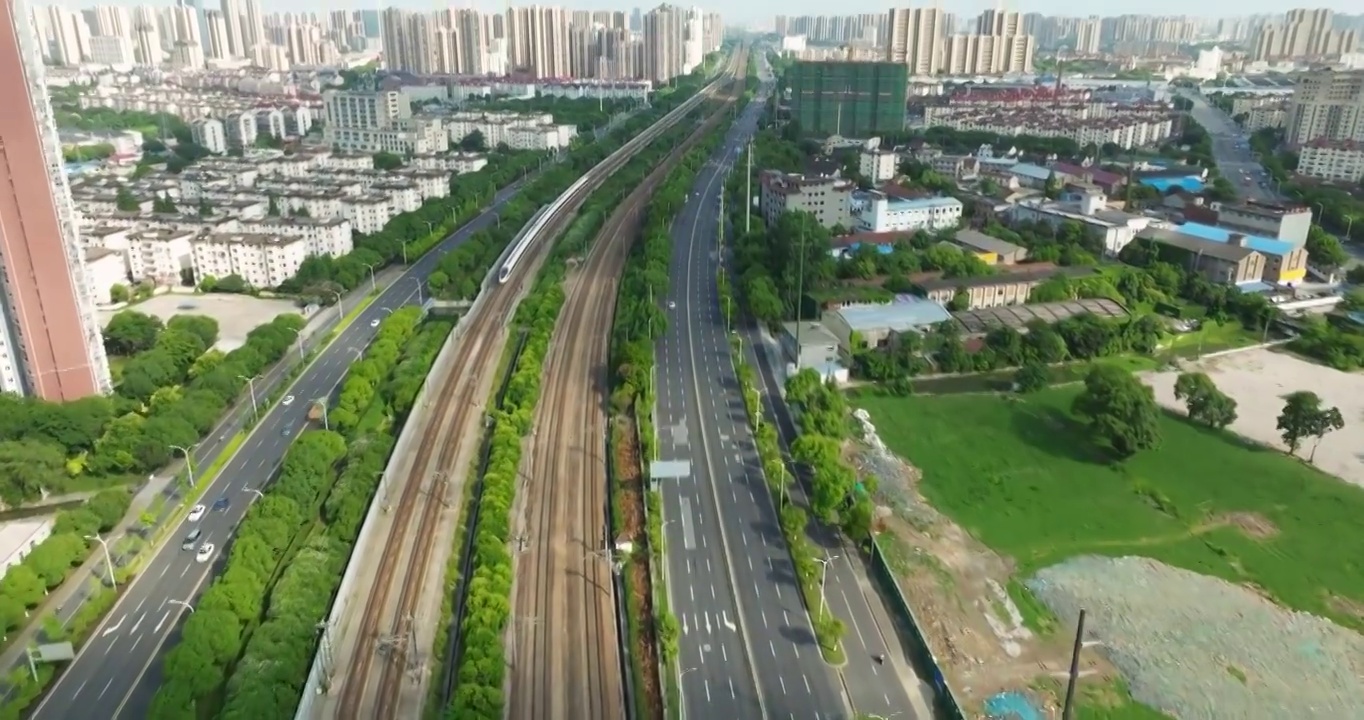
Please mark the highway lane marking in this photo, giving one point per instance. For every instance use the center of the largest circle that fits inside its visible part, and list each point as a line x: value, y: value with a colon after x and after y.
x: 140, y: 618
x: 732, y: 694
x: 780, y: 679
x: 712, y: 592
x: 161, y: 622
x: 105, y: 690
x: 755, y: 589
x: 724, y: 656
x: 773, y: 648
x: 163, y: 570
x: 852, y: 617
x: 139, y: 606
x: 183, y: 572
x: 807, y: 683
x: 706, y: 683
x: 136, y: 640
x: 111, y: 630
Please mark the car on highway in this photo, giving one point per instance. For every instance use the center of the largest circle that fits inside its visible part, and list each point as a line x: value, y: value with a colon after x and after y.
x: 197, y: 512
x: 221, y: 504
x: 288, y: 400
x: 374, y: 322
x: 192, y: 539
x: 204, y: 553
x: 672, y: 305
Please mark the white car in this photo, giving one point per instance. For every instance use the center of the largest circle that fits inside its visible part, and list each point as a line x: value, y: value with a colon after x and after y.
x: 197, y: 512
x: 288, y: 400
x: 374, y: 322
x: 672, y: 305
x: 205, y: 553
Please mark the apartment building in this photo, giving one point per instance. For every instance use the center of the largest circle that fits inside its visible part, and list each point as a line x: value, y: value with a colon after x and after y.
x: 263, y: 261
x: 1086, y: 124
x: 877, y: 165
x: 159, y: 255
x: 1303, y: 34
x: 105, y: 268
x: 240, y: 129
x: 1326, y: 105
x: 827, y: 198
x: 1270, y: 116
x: 209, y: 134
x: 1010, y: 288
x: 1334, y: 161
x: 382, y: 121
x: 456, y: 162
x: 519, y: 131
x: 1089, y: 208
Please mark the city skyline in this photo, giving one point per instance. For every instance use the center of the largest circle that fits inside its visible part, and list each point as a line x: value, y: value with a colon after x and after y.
x: 762, y: 14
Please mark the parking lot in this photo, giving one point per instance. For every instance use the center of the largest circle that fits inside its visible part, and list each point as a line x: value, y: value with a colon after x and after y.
x: 237, y: 315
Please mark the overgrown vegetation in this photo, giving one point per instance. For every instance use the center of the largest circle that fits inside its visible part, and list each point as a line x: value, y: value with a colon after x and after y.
x: 1028, y: 464
x: 245, y: 650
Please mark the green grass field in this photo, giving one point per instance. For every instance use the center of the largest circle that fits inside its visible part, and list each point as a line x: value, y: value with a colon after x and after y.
x: 1020, y: 475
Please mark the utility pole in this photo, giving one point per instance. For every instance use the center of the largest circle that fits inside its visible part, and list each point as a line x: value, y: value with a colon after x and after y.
x: 721, y: 223
x: 800, y: 291
x: 1068, y: 709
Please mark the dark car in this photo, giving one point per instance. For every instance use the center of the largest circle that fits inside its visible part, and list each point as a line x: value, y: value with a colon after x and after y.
x: 221, y: 504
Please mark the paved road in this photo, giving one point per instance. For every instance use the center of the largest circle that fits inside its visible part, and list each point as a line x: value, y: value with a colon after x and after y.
x: 1231, y: 150
x: 116, y: 672
x: 747, y: 649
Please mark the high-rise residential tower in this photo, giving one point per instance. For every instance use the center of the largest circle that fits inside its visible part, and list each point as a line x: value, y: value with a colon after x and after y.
x: 50, y: 344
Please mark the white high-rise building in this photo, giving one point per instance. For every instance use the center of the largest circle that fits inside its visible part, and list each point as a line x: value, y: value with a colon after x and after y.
x: 1326, y: 106
x: 209, y: 134
x: 70, y: 37
x: 111, y: 50
x: 232, y: 18
x: 693, y: 48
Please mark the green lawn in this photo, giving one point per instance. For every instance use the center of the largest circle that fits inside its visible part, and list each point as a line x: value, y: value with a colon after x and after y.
x: 1020, y: 476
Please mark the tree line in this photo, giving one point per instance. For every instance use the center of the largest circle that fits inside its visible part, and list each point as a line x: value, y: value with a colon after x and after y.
x: 173, y: 391
x: 482, y: 666
x: 247, y: 647
x: 46, y: 567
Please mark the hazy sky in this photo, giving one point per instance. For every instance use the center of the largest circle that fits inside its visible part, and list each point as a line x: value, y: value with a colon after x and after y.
x: 761, y: 12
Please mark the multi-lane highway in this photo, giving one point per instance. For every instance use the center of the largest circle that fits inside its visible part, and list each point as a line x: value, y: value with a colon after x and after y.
x: 747, y: 649
x: 116, y: 673
x: 1231, y: 150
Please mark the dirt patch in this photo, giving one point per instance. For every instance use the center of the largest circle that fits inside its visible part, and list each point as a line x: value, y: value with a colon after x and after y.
x: 1254, y: 525
x: 1259, y: 379
x: 644, y: 649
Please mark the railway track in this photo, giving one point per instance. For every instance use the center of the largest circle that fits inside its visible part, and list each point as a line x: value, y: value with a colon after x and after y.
x: 385, y: 643
x: 564, y: 645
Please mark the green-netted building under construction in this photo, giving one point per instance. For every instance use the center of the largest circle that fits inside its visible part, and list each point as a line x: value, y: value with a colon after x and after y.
x: 849, y: 99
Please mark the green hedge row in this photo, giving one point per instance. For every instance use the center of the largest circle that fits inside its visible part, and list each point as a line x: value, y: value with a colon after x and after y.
x: 269, y: 679
x: 271, y: 544
x: 482, y: 666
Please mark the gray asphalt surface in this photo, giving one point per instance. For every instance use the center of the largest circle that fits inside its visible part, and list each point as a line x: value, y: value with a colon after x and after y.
x: 1231, y: 150
x: 747, y: 648
x: 116, y: 673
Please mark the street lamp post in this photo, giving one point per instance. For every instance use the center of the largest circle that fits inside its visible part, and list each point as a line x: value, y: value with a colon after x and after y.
x: 251, y: 387
x: 259, y: 495
x: 189, y: 462
x: 298, y: 342
x: 182, y: 604
x: 418, y: 283
x: 108, y: 561
x: 373, y: 284
x: 340, y: 306
x: 823, y: 575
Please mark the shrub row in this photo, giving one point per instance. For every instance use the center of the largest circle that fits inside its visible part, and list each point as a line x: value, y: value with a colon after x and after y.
x: 273, y: 536
x: 482, y: 667
x: 363, y: 380
x: 269, y: 679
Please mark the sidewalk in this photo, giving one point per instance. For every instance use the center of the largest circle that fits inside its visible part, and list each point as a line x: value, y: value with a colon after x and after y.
x: 128, y: 538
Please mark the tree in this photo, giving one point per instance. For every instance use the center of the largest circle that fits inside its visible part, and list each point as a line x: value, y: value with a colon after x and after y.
x: 1031, y: 377
x: 1052, y: 188
x: 387, y: 161
x: 119, y: 293
x: 1304, y: 417
x: 1206, y: 404
x: 131, y: 332
x: 205, y: 208
x: 474, y: 142
x: 1120, y: 409
x: 125, y: 200
x: 1325, y: 250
